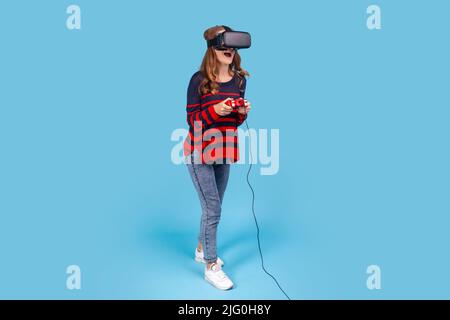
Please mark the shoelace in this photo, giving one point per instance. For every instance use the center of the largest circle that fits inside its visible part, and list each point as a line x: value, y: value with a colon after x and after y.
x: 218, y: 272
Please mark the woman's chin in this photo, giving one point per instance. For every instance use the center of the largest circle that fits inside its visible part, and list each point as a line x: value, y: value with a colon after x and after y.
x: 227, y: 62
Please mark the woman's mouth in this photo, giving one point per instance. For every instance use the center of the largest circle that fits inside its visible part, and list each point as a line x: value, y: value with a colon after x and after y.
x: 228, y: 54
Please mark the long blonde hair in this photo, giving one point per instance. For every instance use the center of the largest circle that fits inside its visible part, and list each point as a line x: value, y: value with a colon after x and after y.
x: 209, y: 67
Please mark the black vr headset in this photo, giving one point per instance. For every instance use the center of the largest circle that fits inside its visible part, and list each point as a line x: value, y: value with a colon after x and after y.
x: 230, y: 39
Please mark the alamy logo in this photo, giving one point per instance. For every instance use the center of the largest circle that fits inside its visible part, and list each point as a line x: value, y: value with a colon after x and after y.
x: 253, y: 146
x: 374, y: 279
x: 374, y: 20
x: 73, y: 281
x: 73, y: 21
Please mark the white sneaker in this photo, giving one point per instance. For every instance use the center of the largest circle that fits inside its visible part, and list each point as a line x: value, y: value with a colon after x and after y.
x: 199, y: 257
x: 217, y: 277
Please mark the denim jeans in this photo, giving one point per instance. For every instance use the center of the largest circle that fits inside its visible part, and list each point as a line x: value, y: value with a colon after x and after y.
x: 210, y: 181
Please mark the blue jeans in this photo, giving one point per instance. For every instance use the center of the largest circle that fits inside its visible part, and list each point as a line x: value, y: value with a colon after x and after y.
x: 210, y: 181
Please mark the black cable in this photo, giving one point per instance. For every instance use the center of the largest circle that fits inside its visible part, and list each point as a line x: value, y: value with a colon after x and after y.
x: 256, y: 221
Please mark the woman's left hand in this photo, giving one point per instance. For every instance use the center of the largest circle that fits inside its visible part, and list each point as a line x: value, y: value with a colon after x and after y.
x: 245, y: 110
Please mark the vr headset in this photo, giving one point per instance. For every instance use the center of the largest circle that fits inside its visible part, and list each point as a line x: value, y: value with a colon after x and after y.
x: 230, y: 39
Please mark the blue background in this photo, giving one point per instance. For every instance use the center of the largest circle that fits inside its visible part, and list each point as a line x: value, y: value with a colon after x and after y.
x: 86, y: 176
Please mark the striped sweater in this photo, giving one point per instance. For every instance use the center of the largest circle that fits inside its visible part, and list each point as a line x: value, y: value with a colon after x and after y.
x: 213, y: 135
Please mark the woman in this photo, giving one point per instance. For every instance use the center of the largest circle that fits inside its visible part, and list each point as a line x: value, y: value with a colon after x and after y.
x: 212, y: 143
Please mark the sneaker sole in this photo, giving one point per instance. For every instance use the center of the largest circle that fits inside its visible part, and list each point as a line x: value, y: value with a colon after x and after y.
x: 215, y: 286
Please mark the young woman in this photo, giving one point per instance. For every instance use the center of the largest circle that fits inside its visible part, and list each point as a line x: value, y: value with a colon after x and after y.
x: 212, y: 143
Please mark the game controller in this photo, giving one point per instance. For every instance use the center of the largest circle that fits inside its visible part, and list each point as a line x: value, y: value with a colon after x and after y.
x: 237, y: 103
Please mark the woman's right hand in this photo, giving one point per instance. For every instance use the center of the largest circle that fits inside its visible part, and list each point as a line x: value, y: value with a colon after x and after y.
x: 222, y: 109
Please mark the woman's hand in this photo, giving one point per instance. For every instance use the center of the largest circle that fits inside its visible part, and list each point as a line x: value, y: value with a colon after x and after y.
x: 222, y: 109
x: 245, y: 110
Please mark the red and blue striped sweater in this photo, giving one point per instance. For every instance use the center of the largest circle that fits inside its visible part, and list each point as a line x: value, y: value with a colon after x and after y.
x: 213, y: 135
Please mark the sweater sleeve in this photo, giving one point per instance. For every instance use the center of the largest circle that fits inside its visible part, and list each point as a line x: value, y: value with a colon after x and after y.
x: 241, y: 117
x: 196, y: 117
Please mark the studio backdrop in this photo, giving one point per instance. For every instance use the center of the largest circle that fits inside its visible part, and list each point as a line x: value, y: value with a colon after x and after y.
x: 348, y: 129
